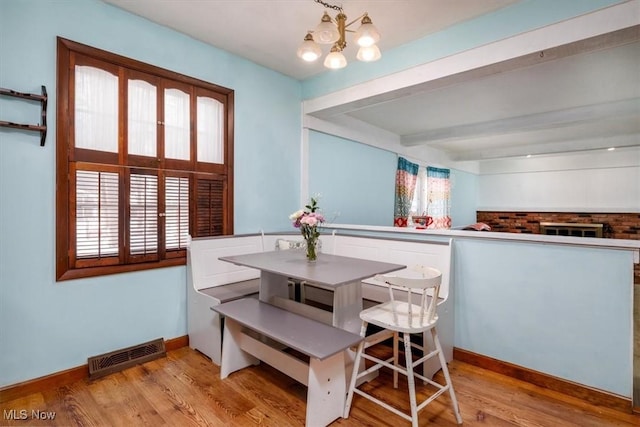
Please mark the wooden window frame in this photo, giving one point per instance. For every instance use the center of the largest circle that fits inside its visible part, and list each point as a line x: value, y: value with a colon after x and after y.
x: 67, y: 157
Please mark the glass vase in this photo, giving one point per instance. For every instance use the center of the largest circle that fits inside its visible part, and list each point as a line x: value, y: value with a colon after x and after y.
x: 312, y: 249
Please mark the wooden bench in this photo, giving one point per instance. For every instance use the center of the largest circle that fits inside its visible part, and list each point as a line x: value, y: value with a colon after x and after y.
x: 211, y: 282
x: 324, y: 374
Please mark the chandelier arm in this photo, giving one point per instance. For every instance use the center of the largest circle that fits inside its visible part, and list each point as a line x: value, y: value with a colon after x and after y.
x: 356, y: 20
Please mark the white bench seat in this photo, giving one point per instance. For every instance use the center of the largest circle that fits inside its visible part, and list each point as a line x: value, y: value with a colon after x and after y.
x: 325, y: 345
x: 232, y: 291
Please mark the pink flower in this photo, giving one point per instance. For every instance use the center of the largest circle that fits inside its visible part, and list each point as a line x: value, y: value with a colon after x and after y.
x: 310, y: 220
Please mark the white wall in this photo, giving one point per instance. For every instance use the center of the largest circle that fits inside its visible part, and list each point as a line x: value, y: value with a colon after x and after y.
x: 602, y: 181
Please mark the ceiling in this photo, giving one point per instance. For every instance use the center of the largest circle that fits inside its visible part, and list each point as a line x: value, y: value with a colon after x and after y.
x: 268, y: 32
x: 587, y: 99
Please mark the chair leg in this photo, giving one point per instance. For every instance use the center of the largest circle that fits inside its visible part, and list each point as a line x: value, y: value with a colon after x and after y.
x: 447, y: 377
x: 354, y: 371
x: 425, y: 351
x: 410, y: 379
x: 396, y: 359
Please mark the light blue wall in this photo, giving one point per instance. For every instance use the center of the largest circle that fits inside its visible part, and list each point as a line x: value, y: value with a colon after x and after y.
x: 523, y: 16
x: 356, y: 181
x: 45, y: 326
x: 464, y: 198
x: 565, y: 311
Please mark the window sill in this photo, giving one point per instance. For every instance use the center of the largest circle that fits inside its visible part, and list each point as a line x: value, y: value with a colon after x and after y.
x: 79, y: 273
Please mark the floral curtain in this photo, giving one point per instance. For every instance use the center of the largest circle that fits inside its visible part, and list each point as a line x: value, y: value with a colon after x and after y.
x: 406, y: 177
x: 439, y: 190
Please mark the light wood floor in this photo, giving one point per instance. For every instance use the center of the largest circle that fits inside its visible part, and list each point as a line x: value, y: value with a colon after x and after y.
x: 184, y: 389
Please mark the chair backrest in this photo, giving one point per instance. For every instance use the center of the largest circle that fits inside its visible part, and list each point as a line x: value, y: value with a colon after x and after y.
x: 415, y: 282
x: 284, y: 244
x: 438, y: 254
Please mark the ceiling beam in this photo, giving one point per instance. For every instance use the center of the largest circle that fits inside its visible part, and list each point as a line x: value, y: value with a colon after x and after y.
x: 546, y: 120
x: 355, y: 130
x: 548, y: 148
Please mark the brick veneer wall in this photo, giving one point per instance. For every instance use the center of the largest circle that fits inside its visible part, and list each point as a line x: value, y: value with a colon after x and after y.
x: 616, y: 225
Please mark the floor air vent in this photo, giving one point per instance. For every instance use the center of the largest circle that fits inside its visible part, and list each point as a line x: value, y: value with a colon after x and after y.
x: 118, y: 360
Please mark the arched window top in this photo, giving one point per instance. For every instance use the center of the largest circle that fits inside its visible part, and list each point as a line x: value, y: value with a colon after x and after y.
x: 96, y: 109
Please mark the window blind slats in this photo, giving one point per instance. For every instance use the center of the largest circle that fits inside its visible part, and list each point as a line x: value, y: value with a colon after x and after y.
x: 97, y: 218
x: 176, y: 212
x: 209, y: 207
x: 143, y: 214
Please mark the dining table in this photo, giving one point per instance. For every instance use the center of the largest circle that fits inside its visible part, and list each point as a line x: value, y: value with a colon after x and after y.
x: 340, y: 274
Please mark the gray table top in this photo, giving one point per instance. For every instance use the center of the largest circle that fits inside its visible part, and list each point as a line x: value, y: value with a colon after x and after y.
x: 329, y: 270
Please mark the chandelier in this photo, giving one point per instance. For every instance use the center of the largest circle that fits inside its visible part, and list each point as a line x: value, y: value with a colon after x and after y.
x: 332, y: 31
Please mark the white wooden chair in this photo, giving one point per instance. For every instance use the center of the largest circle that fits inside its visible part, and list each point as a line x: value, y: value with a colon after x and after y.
x: 415, y: 314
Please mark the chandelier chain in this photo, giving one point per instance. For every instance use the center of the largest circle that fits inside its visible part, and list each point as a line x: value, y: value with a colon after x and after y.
x: 329, y: 6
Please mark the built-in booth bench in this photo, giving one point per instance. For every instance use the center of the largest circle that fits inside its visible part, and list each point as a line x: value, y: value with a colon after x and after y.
x: 212, y: 282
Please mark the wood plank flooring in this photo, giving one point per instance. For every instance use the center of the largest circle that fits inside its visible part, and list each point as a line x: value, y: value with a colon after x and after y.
x: 184, y: 389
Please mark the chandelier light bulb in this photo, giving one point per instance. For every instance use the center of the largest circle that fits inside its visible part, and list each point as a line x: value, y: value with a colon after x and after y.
x: 309, y: 50
x: 367, y: 35
x: 369, y: 53
x: 335, y: 59
x: 326, y: 32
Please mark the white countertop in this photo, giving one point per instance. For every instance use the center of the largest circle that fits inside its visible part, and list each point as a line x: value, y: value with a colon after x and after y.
x: 624, y: 244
